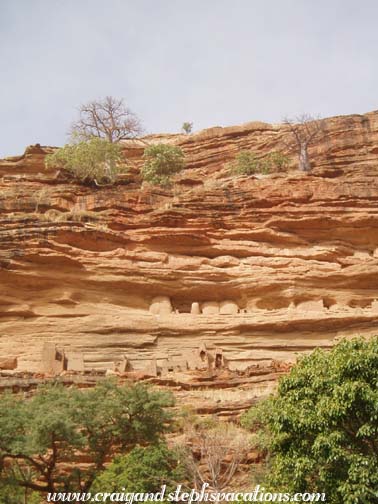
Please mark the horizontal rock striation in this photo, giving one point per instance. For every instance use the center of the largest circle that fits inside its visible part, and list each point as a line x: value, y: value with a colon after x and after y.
x: 258, y: 269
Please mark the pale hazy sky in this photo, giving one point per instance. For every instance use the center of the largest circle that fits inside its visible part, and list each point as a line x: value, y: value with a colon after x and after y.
x: 213, y: 62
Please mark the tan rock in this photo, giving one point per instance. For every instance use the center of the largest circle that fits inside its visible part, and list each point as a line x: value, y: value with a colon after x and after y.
x: 228, y: 308
x: 52, y: 360
x: 122, y: 366
x: 210, y: 308
x: 374, y: 306
x: 311, y: 306
x: 81, y: 270
x: 195, y: 309
x: 152, y: 368
x: 8, y: 364
x: 75, y: 361
x: 161, y: 305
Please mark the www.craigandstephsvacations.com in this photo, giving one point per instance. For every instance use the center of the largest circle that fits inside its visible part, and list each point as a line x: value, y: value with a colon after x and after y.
x: 258, y: 494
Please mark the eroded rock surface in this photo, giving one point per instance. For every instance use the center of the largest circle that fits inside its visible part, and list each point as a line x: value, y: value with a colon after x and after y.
x: 258, y: 269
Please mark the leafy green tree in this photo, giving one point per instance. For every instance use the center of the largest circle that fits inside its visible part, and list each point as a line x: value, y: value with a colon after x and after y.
x: 322, y: 426
x: 95, y: 161
x: 161, y: 162
x: 187, y: 127
x: 59, y: 425
x: 12, y: 493
x: 144, y: 469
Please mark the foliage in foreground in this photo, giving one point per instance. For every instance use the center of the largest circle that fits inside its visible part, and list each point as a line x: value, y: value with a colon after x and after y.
x: 248, y: 163
x: 11, y: 493
x: 57, y: 423
x: 144, y: 469
x: 322, y: 427
x: 161, y: 162
x: 95, y: 161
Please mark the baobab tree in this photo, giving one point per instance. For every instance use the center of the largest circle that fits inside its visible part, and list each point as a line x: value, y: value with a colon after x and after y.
x: 108, y: 118
x: 304, y: 130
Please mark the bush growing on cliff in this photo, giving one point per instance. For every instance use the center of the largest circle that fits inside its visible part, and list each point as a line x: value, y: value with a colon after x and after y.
x: 161, y: 162
x: 322, y: 426
x: 58, y: 424
x: 96, y: 161
x: 276, y: 162
x: 248, y: 163
x: 187, y: 127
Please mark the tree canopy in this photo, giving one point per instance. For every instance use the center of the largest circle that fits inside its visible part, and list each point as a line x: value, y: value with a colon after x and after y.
x: 144, y: 469
x: 59, y: 425
x: 322, y: 426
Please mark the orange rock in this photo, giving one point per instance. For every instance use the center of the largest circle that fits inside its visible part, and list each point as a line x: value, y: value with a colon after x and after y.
x: 80, y: 267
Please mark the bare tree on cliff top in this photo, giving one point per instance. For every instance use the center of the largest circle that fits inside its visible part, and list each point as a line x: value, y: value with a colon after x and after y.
x: 108, y: 118
x: 304, y: 129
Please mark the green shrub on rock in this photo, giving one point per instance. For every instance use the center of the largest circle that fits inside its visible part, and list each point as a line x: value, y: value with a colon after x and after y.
x: 143, y: 469
x: 161, y: 162
x: 187, y: 127
x: 249, y: 163
x: 95, y: 161
x: 276, y: 162
x: 246, y: 163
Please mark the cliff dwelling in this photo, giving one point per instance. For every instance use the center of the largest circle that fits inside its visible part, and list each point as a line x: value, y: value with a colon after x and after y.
x: 136, y: 278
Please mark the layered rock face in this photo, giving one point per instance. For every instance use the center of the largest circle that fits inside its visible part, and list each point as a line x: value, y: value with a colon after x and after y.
x: 216, y: 272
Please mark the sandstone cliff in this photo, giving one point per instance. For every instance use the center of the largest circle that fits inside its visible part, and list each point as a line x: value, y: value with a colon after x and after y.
x: 247, y: 270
